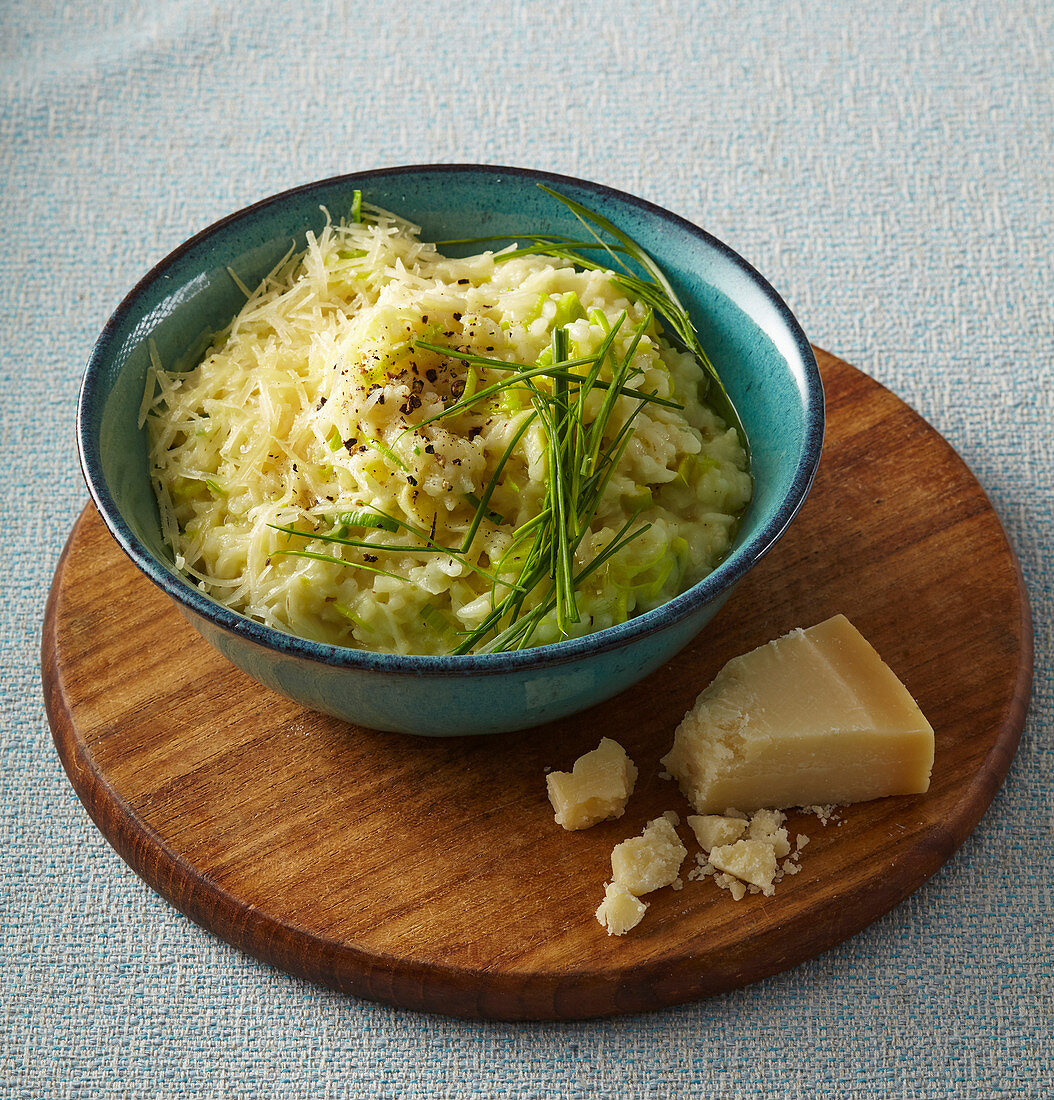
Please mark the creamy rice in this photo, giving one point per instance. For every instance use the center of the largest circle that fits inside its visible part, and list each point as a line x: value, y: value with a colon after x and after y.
x: 299, y: 414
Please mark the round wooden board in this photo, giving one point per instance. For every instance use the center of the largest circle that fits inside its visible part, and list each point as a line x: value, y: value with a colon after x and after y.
x: 430, y: 874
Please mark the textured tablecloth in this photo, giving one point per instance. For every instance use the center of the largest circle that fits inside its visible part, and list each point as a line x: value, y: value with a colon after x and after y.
x: 888, y: 170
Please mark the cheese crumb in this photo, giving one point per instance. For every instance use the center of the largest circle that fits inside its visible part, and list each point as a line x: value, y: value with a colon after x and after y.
x: 732, y: 885
x: 620, y: 910
x: 713, y: 830
x: 649, y: 861
x: 596, y: 789
x: 745, y: 850
x: 752, y: 861
x: 765, y: 826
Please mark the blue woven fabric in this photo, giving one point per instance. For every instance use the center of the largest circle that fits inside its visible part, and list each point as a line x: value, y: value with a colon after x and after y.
x: 887, y: 167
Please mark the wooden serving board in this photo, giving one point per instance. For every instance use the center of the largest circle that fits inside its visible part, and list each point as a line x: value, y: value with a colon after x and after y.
x: 430, y: 874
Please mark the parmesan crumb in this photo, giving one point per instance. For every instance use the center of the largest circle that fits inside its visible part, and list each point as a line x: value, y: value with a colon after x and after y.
x: 650, y: 861
x: 596, y: 789
x: 732, y: 885
x: 752, y: 861
x: 745, y: 850
x: 620, y: 910
x: 712, y: 830
x: 826, y: 814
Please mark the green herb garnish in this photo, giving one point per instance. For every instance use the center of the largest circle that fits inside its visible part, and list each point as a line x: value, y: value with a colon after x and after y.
x: 579, y: 469
x: 538, y: 572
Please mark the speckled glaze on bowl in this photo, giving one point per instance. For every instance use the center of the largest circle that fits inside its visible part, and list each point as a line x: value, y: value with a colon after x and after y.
x: 754, y: 341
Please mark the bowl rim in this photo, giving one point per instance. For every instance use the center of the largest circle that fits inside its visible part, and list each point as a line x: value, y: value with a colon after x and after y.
x: 727, y: 573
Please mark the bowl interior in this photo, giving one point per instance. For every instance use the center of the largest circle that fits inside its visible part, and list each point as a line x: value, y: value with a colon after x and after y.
x: 752, y: 339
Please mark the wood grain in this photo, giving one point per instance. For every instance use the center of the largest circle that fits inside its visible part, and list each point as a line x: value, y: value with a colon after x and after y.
x: 430, y: 874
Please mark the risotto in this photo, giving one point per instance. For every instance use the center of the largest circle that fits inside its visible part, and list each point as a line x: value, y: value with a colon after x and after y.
x: 394, y: 450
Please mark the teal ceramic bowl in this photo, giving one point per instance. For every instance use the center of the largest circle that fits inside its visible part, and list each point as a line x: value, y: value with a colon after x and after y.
x: 754, y: 341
